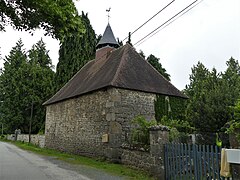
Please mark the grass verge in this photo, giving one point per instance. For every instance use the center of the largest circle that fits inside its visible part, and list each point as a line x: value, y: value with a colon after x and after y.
x: 114, y: 169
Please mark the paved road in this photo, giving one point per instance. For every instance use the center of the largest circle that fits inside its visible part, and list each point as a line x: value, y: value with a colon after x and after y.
x: 17, y: 164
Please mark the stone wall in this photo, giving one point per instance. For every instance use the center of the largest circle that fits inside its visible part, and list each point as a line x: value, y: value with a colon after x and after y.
x: 153, y: 161
x: 138, y: 159
x: 208, y: 138
x: 97, y: 123
x: 38, y: 140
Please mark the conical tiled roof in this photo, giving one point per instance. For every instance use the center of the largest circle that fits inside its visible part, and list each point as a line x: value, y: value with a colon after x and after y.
x: 107, y: 38
x: 123, y: 68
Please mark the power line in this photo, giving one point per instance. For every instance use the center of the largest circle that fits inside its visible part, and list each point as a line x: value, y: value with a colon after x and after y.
x: 169, y: 23
x: 166, y: 22
x: 149, y: 19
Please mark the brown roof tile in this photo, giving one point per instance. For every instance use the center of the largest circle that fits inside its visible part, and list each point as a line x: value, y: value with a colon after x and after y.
x: 123, y: 68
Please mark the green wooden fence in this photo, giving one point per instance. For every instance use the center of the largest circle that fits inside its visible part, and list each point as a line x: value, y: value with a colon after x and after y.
x: 190, y: 161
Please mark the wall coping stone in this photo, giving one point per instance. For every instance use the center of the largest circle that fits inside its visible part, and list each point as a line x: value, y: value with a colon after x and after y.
x: 134, y: 148
x: 159, y: 127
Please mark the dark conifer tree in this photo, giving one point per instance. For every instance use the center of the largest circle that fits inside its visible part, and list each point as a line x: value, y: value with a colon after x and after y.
x: 25, y: 79
x: 212, y: 95
x: 10, y: 83
x: 154, y: 61
x: 75, y: 51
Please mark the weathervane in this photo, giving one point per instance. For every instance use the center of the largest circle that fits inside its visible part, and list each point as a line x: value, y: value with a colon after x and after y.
x: 108, y: 10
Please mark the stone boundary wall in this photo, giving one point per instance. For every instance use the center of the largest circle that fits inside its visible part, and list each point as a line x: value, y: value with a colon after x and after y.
x: 138, y: 160
x: 153, y: 161
x: 36, y: 139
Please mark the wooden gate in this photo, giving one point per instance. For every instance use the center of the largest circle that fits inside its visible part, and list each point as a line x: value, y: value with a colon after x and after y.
x: 185, y: 161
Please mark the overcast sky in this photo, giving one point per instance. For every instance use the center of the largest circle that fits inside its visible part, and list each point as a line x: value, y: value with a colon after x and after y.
x: 209, y: 33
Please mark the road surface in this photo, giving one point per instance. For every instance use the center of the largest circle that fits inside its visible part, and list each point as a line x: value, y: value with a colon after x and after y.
x: 17, y: 164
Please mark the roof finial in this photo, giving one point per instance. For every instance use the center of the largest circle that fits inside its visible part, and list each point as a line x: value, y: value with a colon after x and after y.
x: 108, y: 10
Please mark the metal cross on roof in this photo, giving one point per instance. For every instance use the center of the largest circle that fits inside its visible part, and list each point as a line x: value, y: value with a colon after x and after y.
x: 108, y: 10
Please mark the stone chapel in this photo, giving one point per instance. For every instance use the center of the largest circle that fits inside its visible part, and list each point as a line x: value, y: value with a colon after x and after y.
x: 91, y: 115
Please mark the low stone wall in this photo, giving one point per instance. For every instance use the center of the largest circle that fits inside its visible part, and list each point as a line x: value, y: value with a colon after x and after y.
x: 36, y: 139
x: 140, y: 160
x: 152, y: 161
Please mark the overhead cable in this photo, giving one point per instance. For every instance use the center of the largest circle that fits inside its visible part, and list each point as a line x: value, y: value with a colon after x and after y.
x: 168, y: 21
x: 149, y: 19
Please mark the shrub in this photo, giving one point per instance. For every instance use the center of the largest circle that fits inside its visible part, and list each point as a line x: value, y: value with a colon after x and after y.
x: 140, y: 132
x: 179, y: 129
x: 235, y: 123
x: 180, y: 125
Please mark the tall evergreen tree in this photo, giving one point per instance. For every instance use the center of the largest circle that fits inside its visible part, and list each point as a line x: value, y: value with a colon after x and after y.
x: 201, y: 90
x: 10, y: 86
x: 25, y: 79
x: 39, y: 55
x: 211, y: 96
x: 231, y: 80
x: 40, y: 84
x: 75, y: 51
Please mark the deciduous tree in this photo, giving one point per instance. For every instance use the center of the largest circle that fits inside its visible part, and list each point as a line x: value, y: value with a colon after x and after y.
x: 57, y: 18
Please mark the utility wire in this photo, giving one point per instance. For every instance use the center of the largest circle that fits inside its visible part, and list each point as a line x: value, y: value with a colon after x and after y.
x: 166, y: 22
x: 149, y: 19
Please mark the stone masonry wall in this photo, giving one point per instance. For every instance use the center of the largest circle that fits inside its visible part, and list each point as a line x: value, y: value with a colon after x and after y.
x: 78, y: 125
x: 153, y: 161
x: 36, y: 139
x: 138, y: 159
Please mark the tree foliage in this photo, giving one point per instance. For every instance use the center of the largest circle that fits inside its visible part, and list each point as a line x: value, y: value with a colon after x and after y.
x: 57, y: 18
x: 171, y: 107
x: 231, y: 80
x: 211, y: 96
x: 237, y: 111
x: 154, y: 61
x: 75, y: 52
x: 26, y: 78
x: 141, y: 53
x: 235, y: 122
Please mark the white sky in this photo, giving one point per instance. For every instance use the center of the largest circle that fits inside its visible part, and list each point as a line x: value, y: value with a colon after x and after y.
x: 209, y: 33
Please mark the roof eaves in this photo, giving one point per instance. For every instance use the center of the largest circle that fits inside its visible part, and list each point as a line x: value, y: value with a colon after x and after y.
x: 78, y: 95
x: 51, y: 100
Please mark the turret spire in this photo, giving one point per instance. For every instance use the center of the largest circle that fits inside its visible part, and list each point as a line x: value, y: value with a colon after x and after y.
x: 107, y: 39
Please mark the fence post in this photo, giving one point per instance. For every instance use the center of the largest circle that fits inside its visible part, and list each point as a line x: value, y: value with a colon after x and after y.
x: 194, y: 151
x: 159, y: 136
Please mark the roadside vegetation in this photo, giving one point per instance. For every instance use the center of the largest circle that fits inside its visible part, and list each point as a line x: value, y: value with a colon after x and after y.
x: 101, y: 164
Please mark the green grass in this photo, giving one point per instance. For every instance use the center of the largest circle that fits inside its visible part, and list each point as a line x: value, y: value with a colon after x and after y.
x: 114, y: 169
